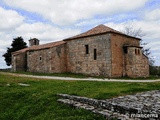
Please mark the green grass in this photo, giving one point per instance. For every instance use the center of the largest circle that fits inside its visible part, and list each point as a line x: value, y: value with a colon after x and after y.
x: 39, y: 100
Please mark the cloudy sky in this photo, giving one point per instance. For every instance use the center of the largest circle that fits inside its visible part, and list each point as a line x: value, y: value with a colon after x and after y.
x: 52, y: 20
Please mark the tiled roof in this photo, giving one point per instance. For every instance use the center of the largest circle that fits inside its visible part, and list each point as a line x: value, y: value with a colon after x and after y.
x: 100, y: 29
x: 39, y: 47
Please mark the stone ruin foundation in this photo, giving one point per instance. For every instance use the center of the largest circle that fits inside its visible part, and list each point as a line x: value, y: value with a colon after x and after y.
x: 141, y: 106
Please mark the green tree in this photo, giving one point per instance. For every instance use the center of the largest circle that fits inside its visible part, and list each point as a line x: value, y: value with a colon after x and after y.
x: 17, y: 44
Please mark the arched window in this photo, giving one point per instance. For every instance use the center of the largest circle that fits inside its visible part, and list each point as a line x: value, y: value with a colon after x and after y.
x: 40, y: 58
x: 136, y: 51
x: 125, y: 50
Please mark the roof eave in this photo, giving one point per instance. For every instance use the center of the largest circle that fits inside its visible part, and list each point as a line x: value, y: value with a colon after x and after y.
x: 34, y: 49
x: 18, y: 52
x: 68, y: 39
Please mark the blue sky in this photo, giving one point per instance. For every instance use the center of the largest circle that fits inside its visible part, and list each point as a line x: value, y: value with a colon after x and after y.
x: 52, y: 20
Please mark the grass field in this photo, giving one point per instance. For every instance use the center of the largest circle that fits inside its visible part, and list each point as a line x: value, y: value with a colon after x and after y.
x: 39, y: 101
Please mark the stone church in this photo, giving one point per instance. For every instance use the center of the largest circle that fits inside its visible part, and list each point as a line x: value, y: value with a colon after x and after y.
x: 99, y: 51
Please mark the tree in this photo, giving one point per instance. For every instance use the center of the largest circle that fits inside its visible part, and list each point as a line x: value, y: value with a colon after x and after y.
x: 129, y: 30
x: 17, y: 44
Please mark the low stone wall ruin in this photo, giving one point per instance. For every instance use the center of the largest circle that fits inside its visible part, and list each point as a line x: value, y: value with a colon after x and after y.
x: 131, y: 107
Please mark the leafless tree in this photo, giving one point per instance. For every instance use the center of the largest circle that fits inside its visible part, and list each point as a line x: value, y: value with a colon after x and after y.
x: 131, y: 31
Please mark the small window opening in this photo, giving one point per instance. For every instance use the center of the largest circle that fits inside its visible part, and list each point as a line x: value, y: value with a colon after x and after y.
x: 136, y: 51
x: 125, y: 50
x: 87, y: 49
x: 95, y: 54
x: 34, y: 42
x: 40, y: 58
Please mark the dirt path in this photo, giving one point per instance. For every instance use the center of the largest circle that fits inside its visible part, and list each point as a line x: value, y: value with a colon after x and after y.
x: 81, y: 79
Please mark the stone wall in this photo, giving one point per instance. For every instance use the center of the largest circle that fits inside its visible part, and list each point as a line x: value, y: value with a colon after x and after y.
x: 117, y: 44
x: 19, y: 62
x: 79, y: 61
x: 51, y: 60
x: 137, y: 64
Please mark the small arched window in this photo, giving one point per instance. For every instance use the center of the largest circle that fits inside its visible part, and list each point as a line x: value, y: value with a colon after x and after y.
x: 40, y: 58
x: 136, y: 51
x: 125, y: 50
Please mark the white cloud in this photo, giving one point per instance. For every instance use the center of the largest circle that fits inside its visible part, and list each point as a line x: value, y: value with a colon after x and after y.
x: 9, y: 19
x: 13, y: 25
x: 64, y: 12
x: 44, y: 32
x: 90, y: 22
x: 149, y: 28
x: 153, y: 15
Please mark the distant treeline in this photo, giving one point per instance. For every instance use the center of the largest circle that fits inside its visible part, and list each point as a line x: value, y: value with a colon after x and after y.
x: 155, y: 70
x: 5, y: 69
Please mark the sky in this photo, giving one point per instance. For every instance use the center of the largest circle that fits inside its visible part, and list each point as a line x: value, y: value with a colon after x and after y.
x: 54, y: 20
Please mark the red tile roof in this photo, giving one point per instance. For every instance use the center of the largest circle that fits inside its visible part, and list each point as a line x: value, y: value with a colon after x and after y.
x: 39, y: 47
x: 100, y: 29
